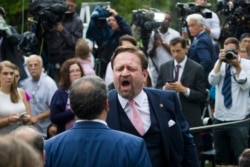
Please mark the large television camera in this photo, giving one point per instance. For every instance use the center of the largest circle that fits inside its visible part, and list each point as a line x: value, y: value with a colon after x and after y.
x: 47, y: 12
x: 144, y: 21
x: 185, y: 9
x: 237, y: 18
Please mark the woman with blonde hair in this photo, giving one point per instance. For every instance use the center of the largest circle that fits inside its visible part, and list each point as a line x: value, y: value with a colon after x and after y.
x: 14, y: 110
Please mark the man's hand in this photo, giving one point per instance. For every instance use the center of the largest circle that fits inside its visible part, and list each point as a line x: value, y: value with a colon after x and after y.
x: 176, y: 86
x: 59, y: 27
x: 112, y: 11
x: 34, y: 120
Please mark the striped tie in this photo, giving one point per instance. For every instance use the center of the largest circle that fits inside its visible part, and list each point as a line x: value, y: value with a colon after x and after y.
x: 226, y: 89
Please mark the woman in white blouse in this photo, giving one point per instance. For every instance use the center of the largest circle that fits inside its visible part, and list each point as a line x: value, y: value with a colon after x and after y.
x: 14, y: 110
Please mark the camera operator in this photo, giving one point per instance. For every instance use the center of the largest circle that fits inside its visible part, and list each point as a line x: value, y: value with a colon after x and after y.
x: 159, y: 48
x: 118, y: 27
x: 61, y: 39
x: 211, y: 18
x: 231, y: 76
x: 9, y: 40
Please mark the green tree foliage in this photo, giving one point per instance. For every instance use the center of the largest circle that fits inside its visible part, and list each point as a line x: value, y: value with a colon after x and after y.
x: 15, y: 12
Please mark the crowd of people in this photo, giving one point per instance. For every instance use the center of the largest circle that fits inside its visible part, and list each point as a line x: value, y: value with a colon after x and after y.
x: 57, y: 110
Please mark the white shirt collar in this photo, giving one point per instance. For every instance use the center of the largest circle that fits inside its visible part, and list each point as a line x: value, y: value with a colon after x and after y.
x: 93, y: 120
x: 138, y: 99
x: 183, y: 63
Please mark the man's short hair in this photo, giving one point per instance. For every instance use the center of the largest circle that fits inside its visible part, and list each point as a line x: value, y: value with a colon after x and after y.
x: 232, y: 40
x: 31, y: 136
x: 177, y: 40
x: 128, y: 38
x: 134, y: 50
x: 200, y: 20
x: 88, y: 96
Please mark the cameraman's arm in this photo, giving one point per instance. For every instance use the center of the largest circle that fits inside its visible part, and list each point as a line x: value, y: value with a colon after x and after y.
x: 73, y: 34
x: 154, y: 42
x: 220, y: 60
x: 166, y: 47
x: 214, y: 28
x: 15, y: 38
x: 123, y: 26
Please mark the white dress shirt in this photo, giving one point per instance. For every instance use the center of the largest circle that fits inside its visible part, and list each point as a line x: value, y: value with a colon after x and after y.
x: 182, y: 66
x: 142, y: 104
x: 161, y: 55
x: 240, y: 92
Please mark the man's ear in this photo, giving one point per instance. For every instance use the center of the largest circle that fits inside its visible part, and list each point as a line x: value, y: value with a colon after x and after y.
x: 106, y: 107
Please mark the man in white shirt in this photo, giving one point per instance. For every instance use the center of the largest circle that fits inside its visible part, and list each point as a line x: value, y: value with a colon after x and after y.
x: 231, y: 139
x: 158, y: 47
x: 41, y: 88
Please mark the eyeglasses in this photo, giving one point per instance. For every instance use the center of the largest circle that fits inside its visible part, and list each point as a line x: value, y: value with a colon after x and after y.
x: 245, y: 41
x: 74, y: 71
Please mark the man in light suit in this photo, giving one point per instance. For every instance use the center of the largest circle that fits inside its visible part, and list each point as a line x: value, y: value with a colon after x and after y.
x: 190, y: 83
x: 91, y: 142
x: 162, y: 124
x: 201, y: 50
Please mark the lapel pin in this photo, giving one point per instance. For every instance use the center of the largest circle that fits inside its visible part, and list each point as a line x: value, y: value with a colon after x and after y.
x: 161, y: 105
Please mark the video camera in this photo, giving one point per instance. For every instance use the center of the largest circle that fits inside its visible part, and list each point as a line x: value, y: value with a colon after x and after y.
x: 147, y: 18
x: 185, y: 9
x: 237, y: 18
x: 48, y: 12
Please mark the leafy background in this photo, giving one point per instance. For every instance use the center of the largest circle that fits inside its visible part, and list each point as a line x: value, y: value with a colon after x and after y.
x: 17, y: 10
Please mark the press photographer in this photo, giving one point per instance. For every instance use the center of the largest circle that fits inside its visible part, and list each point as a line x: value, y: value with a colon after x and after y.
x: 60, y: 28
x: 237, y: 17
x: 112, y: 26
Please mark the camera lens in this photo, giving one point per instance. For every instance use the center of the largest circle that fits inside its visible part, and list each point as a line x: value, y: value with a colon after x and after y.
x: 230, y: 54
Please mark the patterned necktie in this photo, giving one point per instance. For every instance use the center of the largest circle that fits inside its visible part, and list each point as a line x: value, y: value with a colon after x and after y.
x: 177, y: 70
x: 135, y: 118
x: 226, y: 89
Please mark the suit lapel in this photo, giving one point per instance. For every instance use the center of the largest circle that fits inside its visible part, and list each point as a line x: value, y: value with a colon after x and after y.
x: 185, y: 72
x: 158, y: 107
x: 113, y: 116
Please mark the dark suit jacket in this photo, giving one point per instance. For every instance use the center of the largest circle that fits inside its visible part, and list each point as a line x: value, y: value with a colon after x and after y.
x: 178, y: 146
x: 93, y: 144
x: 202, y: 51
x: 193, y: 78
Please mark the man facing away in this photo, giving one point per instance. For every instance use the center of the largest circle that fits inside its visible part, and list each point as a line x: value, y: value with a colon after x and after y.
x: 155, y: 115
x: 91, y: 142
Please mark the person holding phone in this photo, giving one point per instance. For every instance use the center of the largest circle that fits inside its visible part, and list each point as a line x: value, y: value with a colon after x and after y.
x: 14, y: 110
x: 188, y: 81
